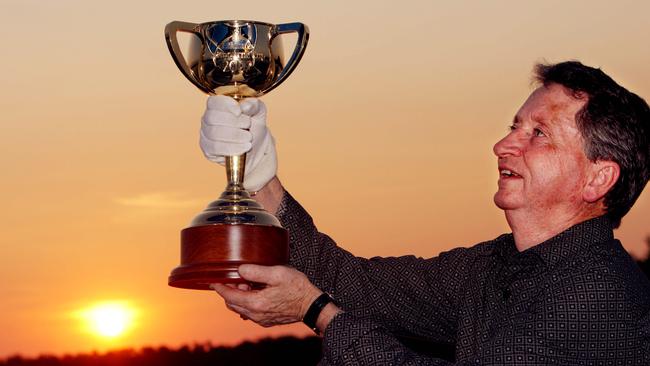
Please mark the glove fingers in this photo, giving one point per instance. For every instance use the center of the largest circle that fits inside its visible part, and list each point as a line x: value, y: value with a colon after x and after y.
x: 226, y: 134
x: 214, y: 150
x: 223, y: 103
x: 223, y: 133
x: 251, y: 106
x: 260, y: 144
x: 216, y: 159
x: 213, y: 117
x: 263, y: 167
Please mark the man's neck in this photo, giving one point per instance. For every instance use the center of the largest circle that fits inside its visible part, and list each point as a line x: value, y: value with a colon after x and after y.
x: 529, y: 229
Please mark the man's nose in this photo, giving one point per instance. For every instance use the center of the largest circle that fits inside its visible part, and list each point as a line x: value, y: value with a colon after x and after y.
x: 510, y: 145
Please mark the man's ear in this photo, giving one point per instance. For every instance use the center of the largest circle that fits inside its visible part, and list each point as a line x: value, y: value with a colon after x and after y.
x: 604, y: 174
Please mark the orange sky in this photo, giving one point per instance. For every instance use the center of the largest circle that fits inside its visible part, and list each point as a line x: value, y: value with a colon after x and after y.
x: 384, y: 133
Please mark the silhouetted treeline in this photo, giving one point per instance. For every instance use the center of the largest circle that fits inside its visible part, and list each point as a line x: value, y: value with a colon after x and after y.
x: 268, y: 351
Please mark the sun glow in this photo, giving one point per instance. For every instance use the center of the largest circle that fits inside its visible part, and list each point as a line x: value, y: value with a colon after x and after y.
x: 109, y: 319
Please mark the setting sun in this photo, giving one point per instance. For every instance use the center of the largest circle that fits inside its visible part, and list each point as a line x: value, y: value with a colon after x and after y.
x: 109, y: 319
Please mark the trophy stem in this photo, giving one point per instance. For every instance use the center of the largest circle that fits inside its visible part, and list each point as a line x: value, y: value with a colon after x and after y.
x: 235, y: 171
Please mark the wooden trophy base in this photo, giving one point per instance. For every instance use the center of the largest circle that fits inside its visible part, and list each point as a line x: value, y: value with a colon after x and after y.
x: 212, y: 253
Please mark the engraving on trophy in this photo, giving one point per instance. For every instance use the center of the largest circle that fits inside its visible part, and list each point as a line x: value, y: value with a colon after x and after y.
x: 235, y: 54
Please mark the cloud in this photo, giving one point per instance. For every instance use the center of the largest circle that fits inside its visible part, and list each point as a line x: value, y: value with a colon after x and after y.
x: 159, y: 200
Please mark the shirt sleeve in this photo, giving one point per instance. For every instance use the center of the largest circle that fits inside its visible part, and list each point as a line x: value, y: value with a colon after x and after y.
x: 351, y: 341
x: 407, y: 296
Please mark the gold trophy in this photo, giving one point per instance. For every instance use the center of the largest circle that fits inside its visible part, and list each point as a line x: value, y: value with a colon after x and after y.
x: 238, y: 58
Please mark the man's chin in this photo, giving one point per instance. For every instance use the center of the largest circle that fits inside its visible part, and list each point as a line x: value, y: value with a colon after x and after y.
x: 504, y: 203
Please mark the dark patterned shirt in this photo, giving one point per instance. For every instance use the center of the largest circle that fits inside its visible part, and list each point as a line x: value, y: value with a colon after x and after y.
x: 576, y: 299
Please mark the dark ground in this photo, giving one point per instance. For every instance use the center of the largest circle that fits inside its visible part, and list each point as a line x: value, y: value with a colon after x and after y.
x: 277, y: 351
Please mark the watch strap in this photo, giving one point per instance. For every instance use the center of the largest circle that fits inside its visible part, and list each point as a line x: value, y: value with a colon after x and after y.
x: 315, y: 309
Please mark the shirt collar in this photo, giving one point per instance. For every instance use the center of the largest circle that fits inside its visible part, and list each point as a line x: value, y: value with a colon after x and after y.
x: 568, y: 244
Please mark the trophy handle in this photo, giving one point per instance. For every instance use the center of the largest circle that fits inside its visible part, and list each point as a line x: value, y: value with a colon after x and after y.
x: 301, y: 46
x: 172, y: 43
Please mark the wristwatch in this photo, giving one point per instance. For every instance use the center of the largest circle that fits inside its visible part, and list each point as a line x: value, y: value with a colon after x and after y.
x: 315, y: 309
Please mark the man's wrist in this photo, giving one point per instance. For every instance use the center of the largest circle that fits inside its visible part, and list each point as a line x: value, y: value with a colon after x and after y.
x: 314, y: 310
x: 322, y: 309
x: 325, y: 317
x: 270, y: 196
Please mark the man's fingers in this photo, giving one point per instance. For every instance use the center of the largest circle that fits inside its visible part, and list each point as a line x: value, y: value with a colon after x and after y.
x: 218, y: 287
x: 225, y: 290
x: 239, y: 286
x: 243, y: 313
x: 239, y: 310
x: 244, y: 287
x: 232, y: 296
x: 260, y: 274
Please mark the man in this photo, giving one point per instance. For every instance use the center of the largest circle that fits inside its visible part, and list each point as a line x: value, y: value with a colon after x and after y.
x: 558, y: 290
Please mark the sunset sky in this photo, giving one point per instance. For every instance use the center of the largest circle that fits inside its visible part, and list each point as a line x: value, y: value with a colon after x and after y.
x: 384, y: 133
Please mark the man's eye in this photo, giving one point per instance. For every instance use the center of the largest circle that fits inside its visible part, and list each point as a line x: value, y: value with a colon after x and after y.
x: 538, y: 132
x: 512, y: 128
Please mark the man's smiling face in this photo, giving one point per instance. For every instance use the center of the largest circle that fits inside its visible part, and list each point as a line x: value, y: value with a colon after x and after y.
x: 542, y: 164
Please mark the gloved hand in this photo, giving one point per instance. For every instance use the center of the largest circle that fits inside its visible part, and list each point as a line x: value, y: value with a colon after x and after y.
x: 230, y: 128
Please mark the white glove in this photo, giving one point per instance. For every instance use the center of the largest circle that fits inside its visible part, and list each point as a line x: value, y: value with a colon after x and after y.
x: 229, y: 128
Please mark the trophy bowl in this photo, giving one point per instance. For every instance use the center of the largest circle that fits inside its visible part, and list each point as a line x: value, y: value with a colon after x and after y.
x: 237, y: 58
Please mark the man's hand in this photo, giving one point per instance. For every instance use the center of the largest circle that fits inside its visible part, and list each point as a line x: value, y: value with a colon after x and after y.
x: 285, y: 299
x: 229, y: 128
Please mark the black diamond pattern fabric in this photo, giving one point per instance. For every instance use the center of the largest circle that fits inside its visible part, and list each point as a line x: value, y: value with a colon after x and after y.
x: 576, y: 299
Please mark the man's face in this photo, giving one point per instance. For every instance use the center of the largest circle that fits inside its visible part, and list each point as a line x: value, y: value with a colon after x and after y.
x: 542, y: 165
